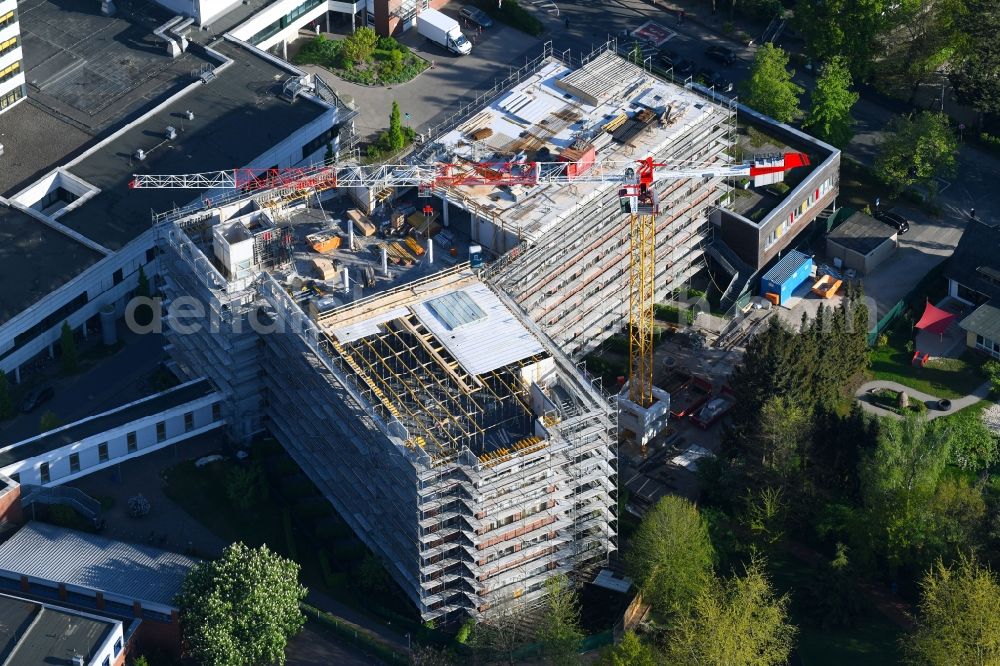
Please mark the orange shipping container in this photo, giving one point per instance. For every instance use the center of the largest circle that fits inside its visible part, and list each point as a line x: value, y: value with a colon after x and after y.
x: 323, y: 242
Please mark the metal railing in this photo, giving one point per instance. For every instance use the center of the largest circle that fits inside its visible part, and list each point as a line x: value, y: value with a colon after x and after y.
x: 75, y: 498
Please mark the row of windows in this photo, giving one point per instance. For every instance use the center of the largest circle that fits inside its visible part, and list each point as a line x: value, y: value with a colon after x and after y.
x: 9, y: 98
x: 63, y: 312
x: 10, y: 71
x: 8, y: 19
x: 806, y: 204
x: 284, y: 21
x: 131, y: 445
x: 987, y: 345
x: 9, y: 44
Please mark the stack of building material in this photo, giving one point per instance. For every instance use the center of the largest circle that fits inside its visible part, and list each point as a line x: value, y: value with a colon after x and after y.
x: 323, y: 241
x: 361, y: 222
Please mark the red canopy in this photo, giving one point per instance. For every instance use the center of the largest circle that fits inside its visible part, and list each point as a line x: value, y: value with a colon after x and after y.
x: 935, y: 320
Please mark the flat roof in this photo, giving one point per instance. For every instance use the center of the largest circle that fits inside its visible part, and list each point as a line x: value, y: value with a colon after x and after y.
x: 555, y: 107
x: 862, y: 233
x: 238, y: 116
x: 87, y: 74
x: 35, y: 259
x: 786, y: 266
x: 94, y: 425
x: 60, y: 555
x: 56, y: 636
x: 16, y: 615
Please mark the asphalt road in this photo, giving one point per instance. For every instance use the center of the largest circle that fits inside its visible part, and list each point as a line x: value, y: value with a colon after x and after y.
x: 114, y: 381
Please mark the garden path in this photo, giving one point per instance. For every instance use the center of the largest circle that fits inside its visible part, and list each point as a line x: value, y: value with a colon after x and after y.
x: 959, y: 403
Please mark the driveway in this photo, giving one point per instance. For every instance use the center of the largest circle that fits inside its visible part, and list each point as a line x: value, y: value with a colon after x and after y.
x: 434, y: 94
x: 114, y: 381
x: 981, y: 393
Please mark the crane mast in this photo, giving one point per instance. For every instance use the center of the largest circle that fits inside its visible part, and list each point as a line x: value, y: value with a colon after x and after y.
x: 638, y: 198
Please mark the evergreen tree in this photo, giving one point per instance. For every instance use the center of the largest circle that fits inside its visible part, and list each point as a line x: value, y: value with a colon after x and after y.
x: 397, y: 140
x: 830, y: 104
x: 630, y: 652
x: 142, y: 287
x: 67, y: 344
x: 770, y: 89
x: 6, y: 401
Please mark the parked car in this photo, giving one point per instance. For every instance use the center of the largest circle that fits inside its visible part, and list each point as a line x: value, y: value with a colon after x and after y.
x: 712, y: 79
x: 900, y: 223
x: 721, y: 54
x: 36, y: 399
x: 671, y: 59
x: 476, y: 16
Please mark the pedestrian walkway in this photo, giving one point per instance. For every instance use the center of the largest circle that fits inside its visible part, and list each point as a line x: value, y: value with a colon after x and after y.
x: 863, y: 392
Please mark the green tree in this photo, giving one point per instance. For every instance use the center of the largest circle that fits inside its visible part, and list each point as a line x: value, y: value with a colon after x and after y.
x: 559, y: 628
x: 671, y: 556
x: 921, y: 37
x: 6, y: 400
x: 959, y: 617
x: 360, y: 46
x: 371, y: 575
x: 899, y: 479
x: 974, y: 69
x: 141, y: 661
x: 784, y: 434
x: 242, y: 608
x: 428, y: 655
x: 831, y: 595
x: 245, y: 486
x: 142, y: 287
x: 67, y: 345
x: 915, y: 149
x: 630, y: 652
x: 736, y: 621
x: 504, y: 631
x: 396, y: 137
x: 849, y: 28
x: 831, y: 102
x: 48, y: 421
x: 770, y: 89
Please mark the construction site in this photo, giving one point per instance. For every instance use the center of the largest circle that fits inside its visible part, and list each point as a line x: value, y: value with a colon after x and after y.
x: 420, y: 362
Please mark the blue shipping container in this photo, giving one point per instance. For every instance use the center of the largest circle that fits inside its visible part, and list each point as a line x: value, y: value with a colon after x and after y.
x: 786, y: 275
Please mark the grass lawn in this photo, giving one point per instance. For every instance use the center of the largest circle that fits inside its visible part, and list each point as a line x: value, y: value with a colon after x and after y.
x: 942, y: 378
x: 872, y: 641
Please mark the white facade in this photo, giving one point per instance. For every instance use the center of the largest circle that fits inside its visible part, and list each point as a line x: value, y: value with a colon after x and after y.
x: 280, y: 22
x: 145, y: 434
x: 12, y: 88
x: 112, y: 279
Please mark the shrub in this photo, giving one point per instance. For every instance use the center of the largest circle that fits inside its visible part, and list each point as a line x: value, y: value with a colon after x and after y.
x: 138, y: 506
x: 360, y: 46
x: 992, y: 371
x: 387, y: 44
x: 883, y: 341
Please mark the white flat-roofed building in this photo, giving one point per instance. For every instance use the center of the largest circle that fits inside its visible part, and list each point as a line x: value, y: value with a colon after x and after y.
x: 12, y: 81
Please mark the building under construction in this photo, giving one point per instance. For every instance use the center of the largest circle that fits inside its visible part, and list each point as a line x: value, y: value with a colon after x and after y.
x: 436, y: 404
x: 564, y: 250
x: 458, y: 442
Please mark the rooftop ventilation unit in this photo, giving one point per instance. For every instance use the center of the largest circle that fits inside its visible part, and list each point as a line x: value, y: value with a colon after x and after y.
x: 78, y: 660
x: 171, y: 132
x: 140, y: 154
x: 189, y: 114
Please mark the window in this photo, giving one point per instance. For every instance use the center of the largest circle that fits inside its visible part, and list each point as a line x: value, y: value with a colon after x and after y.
x: 161, y: 431
x: 107, y: 661
x: 74, y: 462
x: 10, y: 71
x: 118, y: 647
x: 9, y: 98
x: 102, y: 452
x: 150, y: 254
x: 321, y: 140
x: 118, y: 276
x: 991, y: 347
x: 189, y: 422
x: 132, y: 442
x: 216, y: 412
x: 8, y: 45
x: 43, y: 471
x: 7, y: 19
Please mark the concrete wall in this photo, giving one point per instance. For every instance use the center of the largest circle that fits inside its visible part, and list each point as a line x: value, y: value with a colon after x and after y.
x: 28, y: 469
